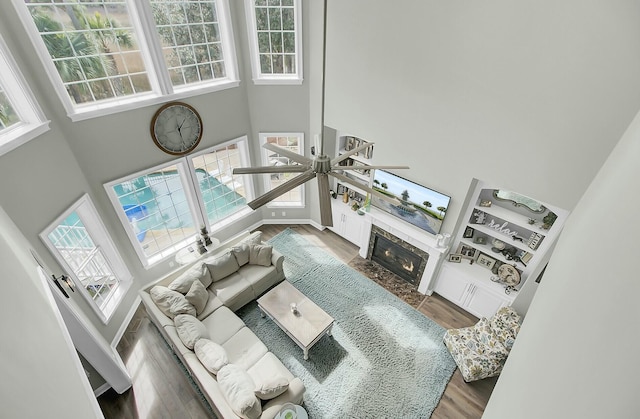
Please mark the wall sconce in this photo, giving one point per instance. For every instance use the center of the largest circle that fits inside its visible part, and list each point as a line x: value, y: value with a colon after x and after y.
x: 66, y: 280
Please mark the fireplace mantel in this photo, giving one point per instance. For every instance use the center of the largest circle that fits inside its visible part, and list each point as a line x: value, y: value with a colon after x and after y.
x: 413, y: 235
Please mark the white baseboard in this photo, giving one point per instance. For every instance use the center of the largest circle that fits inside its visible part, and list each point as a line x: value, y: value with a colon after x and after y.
x: 125, y: 323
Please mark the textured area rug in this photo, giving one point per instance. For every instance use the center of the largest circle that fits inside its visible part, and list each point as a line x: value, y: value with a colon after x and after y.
x: 385, y: 358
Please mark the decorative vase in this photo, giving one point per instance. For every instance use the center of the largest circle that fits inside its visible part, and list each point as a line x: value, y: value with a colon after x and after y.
x: 345, y: 198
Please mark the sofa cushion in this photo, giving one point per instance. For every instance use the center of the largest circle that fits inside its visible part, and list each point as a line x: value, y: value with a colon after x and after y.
x: 244, y: 348
x: 213, y: 304
x: 506, y: 325
x: 265, y: 370
x: 260, y: 254
x: 238, y: 388
x: 183, y: 283
x: 211, y: 355
x: 253, y: 238
x: 241, y: 252
x: 271, y: 387
x: 222, y: 266
x: 234, y: 291
x: 197, y: 296
x: 222, y: 324
x: 170, y: 302
x: 261, y: 278
x: 190, y: 330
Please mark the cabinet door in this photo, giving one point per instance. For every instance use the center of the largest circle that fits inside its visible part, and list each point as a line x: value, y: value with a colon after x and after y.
x: 453, y: 289
x: 353, y: 227
x: 483, y: 303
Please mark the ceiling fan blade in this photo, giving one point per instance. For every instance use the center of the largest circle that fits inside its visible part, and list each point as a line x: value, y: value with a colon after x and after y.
x: 326, y: 218
x: 364, y: 188
x: 287, y: 153
x: 285, y: 187
x: 289, y: 168
x: 368, y: 167
x: 350, y: 153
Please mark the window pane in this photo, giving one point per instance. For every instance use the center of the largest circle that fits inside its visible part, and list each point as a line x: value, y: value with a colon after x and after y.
x: 157, y: 209
x: 87, y: 261
x: 223, y: 193
x: 275, y: 23
x: 8, y: 115
x: 89, y: 42
x: 193, y: 25
x: 292, y: 142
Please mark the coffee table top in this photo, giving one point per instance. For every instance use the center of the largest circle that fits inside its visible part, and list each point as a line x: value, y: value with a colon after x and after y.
x: 310, y: 321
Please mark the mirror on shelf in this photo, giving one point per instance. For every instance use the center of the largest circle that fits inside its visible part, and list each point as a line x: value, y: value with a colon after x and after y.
x: 519, y: 200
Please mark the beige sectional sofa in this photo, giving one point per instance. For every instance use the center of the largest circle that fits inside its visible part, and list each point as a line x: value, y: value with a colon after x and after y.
x: 194, y: 310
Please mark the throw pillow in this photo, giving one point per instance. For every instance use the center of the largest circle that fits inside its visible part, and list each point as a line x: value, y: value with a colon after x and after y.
x: 184, y: 281
x: 212, y: 356
x: 237, y: 386
x: 260, y: 254
x: 197, y: 296
x: 272, y: 387
x: 170, y: 302
x: 190, y: 330
x: 241, y: 252
x: 222, y: 266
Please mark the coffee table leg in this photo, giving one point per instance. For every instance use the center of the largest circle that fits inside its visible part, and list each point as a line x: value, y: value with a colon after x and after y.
x: 306, y: 354
x: 329, y: 331
x: 261, y: 312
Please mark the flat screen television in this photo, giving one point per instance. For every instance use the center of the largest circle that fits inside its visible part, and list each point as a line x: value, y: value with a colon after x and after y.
x: 416, y: 204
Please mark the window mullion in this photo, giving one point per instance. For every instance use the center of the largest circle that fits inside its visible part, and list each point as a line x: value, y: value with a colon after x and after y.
x: 195, y: 196
x: 152, y: 50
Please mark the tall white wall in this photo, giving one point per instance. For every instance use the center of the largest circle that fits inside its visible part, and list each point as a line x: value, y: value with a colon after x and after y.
x: 575, y: 356
x: 529, y: 95
x: 41, y: 373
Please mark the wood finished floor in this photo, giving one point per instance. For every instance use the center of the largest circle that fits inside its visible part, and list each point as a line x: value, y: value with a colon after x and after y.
x: 161, y: 390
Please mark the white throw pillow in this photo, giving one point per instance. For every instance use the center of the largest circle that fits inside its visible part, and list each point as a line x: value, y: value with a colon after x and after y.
x: 272, y: 387
x: 241, y: 252
x: 170, y: 302
x: 222, y: 266
x: 260, y: 254
x: 212, y: 356
x: 183, y: 283
x: 237, y: 386
x: 197, y: 296
x: 190, y: 330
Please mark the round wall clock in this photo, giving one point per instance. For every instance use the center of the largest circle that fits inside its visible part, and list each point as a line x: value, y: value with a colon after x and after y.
x: 176, y: 128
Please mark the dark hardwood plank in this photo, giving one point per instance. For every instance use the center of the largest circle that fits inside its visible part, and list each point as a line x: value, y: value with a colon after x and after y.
x: 161, y: 389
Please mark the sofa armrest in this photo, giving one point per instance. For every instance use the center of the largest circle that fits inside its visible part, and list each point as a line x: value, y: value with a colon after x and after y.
x: 277, y: 259
x: 294, y: 394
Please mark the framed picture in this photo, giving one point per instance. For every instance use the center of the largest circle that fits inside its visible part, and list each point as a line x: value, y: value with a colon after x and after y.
x: 341, y: 189
x: 455, y: 258
x: 468, y: 232
x: 467, y: 252
x: 486, y: 261
x: 478, y: 217
x: 349, y: 143
x: 368, y: 152
x: 480, y: 240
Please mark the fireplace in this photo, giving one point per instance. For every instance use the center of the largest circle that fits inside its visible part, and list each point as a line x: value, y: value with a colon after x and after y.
x: 400, y: 257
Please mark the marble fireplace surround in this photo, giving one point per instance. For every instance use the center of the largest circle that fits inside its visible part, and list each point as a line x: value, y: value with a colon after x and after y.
x: 411, y: 235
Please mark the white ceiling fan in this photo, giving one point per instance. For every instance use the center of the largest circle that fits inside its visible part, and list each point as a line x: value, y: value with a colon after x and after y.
x: 320, y: 166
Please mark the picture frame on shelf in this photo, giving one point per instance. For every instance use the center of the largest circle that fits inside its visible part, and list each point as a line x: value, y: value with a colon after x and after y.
x: 455, y: 258
x: 468, y: 232
x: 349, y: 143
x: 480, y: 240
x: 485, y: 261
x: 467, y: 252
x: 341, y: 189
x: 478, y: 217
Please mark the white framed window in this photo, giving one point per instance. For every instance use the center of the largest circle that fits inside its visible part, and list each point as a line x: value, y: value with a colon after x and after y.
x: 81, y: 244
x: 163, y: 208
x: 106, y: 56
x: 275, y: 40
x: 21, y: 118
x: 293, y: 142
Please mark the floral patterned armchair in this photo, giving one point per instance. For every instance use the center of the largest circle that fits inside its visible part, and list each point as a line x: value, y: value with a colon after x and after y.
x: 480, y: 351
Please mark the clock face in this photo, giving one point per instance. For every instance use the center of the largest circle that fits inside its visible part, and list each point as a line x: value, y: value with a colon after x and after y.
x: 508, y: 275
x: 176, y: 128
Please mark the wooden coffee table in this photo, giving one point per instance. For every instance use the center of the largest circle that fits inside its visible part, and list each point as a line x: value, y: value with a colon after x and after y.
x: 307, y: 326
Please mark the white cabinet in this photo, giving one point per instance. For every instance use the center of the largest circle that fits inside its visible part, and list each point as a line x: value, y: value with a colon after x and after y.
x: 479, y: 296
x: 346, y: 222
x: 497, y: 227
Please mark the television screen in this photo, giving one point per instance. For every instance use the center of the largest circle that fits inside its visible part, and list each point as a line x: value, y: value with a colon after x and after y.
x: 415, y: 204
